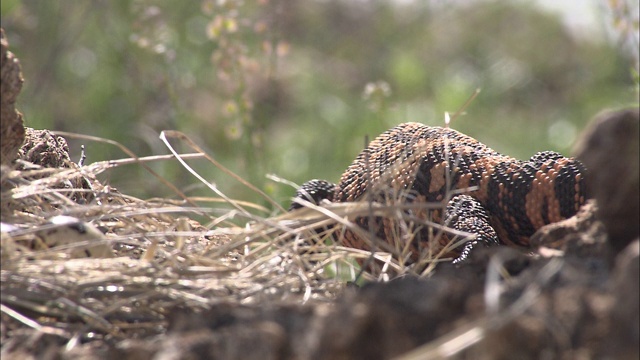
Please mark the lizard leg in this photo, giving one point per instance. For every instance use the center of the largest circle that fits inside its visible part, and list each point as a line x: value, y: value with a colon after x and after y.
x: 314, y: 191
x: 464, y: 213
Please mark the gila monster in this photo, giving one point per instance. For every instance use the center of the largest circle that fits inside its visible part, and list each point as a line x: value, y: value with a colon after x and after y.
x: 499, y: 199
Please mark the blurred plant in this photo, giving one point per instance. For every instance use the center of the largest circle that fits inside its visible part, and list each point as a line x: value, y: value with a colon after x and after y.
x: 626, y: 22
x: 247, y: 48
x: 375, y: 94
x: 151, y: 31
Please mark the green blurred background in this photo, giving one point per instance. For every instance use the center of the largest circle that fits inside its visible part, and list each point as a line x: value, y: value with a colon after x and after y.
x: 291, y: 87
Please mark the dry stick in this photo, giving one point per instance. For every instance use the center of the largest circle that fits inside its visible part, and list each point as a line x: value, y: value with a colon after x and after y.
x: 345, y: 222
x: 32, y: 323
x: 449, y: 192
x: 119, y: 162
x: 355, y: 210
x: 133, y: 155
x: 179, y: 135
x: 370, y: 185
x: 278, y: 179
x: 83, y: 156
x: 447, y: 121
x: 216, y: 200
x: 464, y: 106
x: 447, y: 169
x: 250, y: 238
x: 382, y: 182
x: 369, y: 193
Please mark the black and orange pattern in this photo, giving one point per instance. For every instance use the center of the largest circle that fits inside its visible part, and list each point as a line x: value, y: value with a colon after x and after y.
x: 500, y: 199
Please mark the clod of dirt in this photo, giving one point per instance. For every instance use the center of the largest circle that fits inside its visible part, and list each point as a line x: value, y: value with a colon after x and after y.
x: 610, y: 149
x: 581, y: 235
x: 11, y: 124
x: 623, y: 337
x: 43, y: 148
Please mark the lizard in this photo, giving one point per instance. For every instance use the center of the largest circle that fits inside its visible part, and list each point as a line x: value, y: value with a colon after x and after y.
x: 499, y: 199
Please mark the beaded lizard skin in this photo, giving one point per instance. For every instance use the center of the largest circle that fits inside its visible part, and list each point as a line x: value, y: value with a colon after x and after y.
x: 499, y: 199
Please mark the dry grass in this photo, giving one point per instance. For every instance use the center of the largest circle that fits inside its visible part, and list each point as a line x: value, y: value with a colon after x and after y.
x: 158, y: 258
